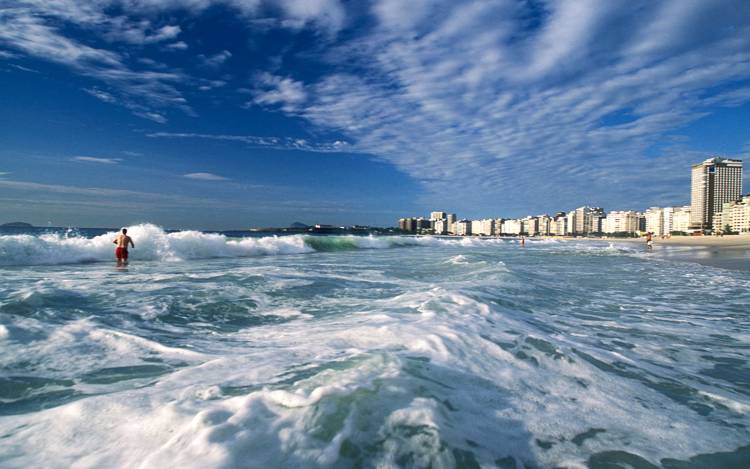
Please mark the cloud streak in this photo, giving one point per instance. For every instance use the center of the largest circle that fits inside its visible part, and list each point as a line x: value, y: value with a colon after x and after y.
x: 497, y: 99
x: 97, y: 160
x: 205, y: 177
x: 277, y: 143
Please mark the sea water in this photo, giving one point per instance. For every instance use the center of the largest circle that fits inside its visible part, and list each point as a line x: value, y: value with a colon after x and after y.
x: 343, y: 351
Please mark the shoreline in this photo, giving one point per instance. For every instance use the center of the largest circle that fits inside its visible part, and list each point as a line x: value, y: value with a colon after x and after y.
x: 727, y: 252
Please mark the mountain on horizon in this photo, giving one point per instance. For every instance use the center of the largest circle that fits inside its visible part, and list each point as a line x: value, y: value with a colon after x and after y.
x: 16, y: 224
x: 297, y: 224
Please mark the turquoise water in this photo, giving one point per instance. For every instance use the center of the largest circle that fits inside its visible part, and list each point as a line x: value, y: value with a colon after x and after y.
x: 298, y: 351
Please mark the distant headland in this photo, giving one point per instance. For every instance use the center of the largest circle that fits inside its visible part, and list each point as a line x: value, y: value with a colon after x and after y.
x: 17, y: 224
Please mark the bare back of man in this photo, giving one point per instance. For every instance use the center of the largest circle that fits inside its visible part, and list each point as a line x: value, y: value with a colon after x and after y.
x: 122, y: 241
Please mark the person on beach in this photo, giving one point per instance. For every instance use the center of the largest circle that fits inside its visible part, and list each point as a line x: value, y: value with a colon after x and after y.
x: 121, y: 252
x: 523, y: 241
x: 649, y: 241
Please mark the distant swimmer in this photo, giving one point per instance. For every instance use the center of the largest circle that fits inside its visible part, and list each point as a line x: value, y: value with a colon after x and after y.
x: 649, y: 241
x: 121, y: 252
x: 523, y: 241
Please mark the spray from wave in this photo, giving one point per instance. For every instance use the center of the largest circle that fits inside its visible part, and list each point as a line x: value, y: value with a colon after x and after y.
x: 153, y: 243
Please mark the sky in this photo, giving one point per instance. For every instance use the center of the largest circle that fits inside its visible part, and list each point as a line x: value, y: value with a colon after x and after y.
x: 229, y: 114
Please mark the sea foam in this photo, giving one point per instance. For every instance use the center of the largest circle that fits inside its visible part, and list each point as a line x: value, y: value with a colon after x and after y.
x: 154, y: 243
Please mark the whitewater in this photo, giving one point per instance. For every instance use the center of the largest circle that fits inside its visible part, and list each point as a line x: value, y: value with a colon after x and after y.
x: 211, y: 350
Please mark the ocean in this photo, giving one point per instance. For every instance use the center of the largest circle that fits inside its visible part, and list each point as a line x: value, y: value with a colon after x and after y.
x: 303, y: 351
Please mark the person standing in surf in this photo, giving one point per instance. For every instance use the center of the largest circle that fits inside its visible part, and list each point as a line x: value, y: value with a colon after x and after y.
x: 121, y: 252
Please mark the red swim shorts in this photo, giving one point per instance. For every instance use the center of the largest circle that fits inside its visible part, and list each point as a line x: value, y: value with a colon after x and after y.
x: 121, y: 253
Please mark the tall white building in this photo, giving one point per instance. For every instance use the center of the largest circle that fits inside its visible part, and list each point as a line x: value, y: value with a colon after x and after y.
x: 512, y: 227
x: 570, y: 223
x: 484, y: 227
x: 530, y: 226
x: 625, y: 221
x: 451, y: 223
x: 680, y: 219
x: 734, y: 214
x: 463, y: 227
x: 655, y: 221
x: 715, y: 182
x: 559, y: 224
x: 587, y: 220
x: 441, y: 227
x: 545, y: 225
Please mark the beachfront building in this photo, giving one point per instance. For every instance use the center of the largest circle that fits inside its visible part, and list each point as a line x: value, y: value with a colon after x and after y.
x: 570, y: 223
x: 512, y: 227
x: 559, y: 224
x: 677, y: 219
x: 451, y: 223
x: 530, y: 226
x: 735, y: 215
x: 587, y: 220
x: 463, y: 227
x: 499, y: 226
x: 440, y: 227
x: 655, y: 220
x: 484, y: 227
x: 408, y: 224
x: 620, y: 221
x: 434, y: 216
x: 545, y: 225
x: 715, y: 182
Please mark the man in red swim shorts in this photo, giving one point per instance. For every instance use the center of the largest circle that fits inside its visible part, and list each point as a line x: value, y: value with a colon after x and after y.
x: 121, y: 252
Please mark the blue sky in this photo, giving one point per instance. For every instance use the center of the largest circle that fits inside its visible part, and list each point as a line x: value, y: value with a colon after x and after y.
x: 218, y: 114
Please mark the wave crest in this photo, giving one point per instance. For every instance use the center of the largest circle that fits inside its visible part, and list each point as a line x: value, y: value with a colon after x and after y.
x: 153, y: 243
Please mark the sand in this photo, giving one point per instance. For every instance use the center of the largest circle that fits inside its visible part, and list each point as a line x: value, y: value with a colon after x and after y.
x: 734, y: 241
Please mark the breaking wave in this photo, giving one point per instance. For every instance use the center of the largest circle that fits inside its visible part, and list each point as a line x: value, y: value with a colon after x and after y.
x: 153, y: 243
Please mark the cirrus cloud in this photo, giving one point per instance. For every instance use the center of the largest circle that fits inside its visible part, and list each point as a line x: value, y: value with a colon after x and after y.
x: 205, y: 177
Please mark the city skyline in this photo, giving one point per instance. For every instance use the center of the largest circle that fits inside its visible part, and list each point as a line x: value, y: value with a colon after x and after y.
x: 717, y: 203
x: 218, y: 114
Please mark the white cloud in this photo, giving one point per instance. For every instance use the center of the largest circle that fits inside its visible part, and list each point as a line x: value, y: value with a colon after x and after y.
x: 179, y: 45
x: 205, y: 177
x: 101, y: 95
x: 215, y: 60
x: 152, y: 116
x: 284, y: 91
x: 279, y: 143
x: 476, y: 96
x: 121, y: 29
x: 93, y: 159
x: 25, y: 29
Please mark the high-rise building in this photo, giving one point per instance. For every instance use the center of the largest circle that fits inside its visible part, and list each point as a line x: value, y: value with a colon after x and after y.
x: 440, y: 227
x: 679, y: 220
x: 423, y: 225
x: 545, y: 225
x: 408, y: 224
x: 463, y: 227
x: 484, y: 227
x: 620, y: 222
x: 587, y: 220
x: 512, y: 227
x: 530, y: 226
x: 570, y: 223
x: 735, y: 215
x: 451, y: 223
x: 438, y: 216
x: 655, y: 220
x: 715, y: 182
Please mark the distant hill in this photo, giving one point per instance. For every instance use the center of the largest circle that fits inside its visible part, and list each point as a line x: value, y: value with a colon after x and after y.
x: 298, y: 225
x: 17, y: 224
